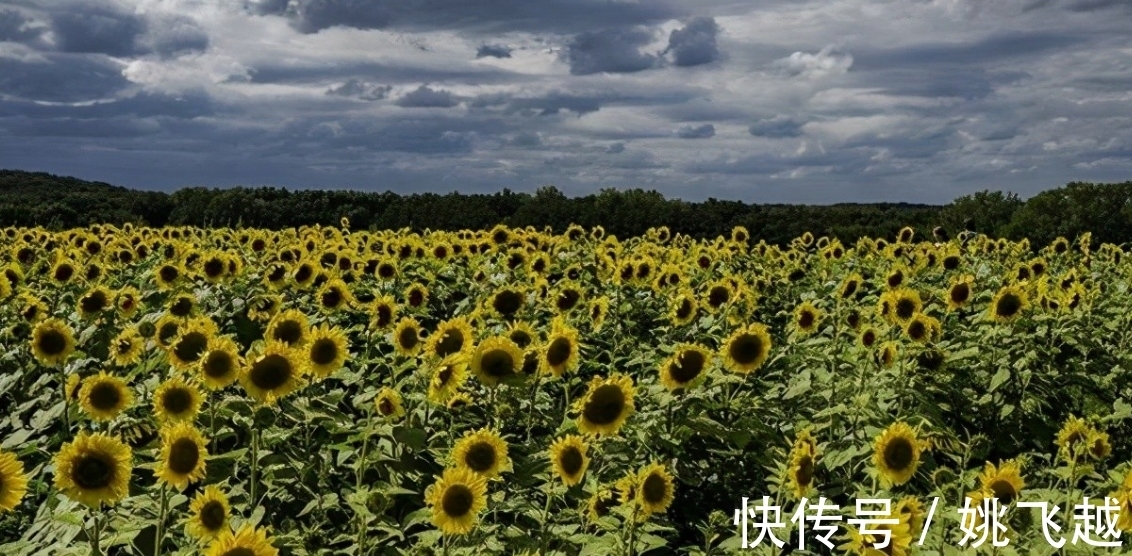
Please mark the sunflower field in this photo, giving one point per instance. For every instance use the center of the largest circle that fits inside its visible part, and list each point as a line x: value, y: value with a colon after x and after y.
x: 321, y: 390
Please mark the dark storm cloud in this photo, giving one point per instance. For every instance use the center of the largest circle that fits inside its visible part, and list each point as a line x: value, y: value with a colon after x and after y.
x: 16, y: 27
x: 776, y: 127
x: 493, y: 51
x: 356, y: 88
x: 140, y: 104
x: 551, y: 104
x: 427, y: 97
x: 703, y: 131
x: 173, y: 35
x: 525, y: 139
x: 101, y: 28
x: 995, y: 48
x: 61, y: 78
x: 609, y: 50
x: 695, y: 43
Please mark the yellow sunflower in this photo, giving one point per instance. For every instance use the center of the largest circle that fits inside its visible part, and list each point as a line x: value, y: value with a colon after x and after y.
x: 447, y: 377
x: 560, y: 354
x: 176, y: 400
x: 104, y: 396
x: 327, y: 350
x: 208, y: 514
x: 1008, y: 304
x: 221, y: 363
x: 290, y: 327
x: 606, y: 405
x: 600, y: 504
x: 94, y: 469
x: 688, y: 365
x: 452, y: 337
x: 905, y: 303
x: 276, y: 372
x: 183, y: 455
x: 126, y: 348
x: 496, y: 359
x: 389, y: 404
x: 416, y: 296
x: 52, y: 342
x: 807, y: 318
x: 899, y: 537
x: 13, y: 482
x: 407, y: 337
x: 457, y: 499
x: 922, y: 328
x: 960, y: 292
x: 896, y: 454
x: 94, y: 302
x: 483, y: 452
x: 459, y: 401
x: 683, y: 309
x: 1073, y: 438
x: 800, y: 472
x: 746, y: 349
x: 568, y: 458
x: 508, y: 301
x: 654, y: 490
x: 248, y: 541
x: 192, y: 341
x: 1003, y: 481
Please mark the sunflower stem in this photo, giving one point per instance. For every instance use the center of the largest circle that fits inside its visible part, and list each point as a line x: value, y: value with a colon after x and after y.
x: 531, y: 407
x: 254, y: 469
x: 66, y: 403
x: 161, y: 520
x: 358, y: 482
x: 95, y: 537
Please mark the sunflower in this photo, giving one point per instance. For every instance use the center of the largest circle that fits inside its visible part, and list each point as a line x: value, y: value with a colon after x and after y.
x: 960, y: 292
x: 800, y: 473
x: 522, y: 333
x: 126, y: 348
x: 183, y: 455
x: 746, y: 349
x: 167, y: 275
x: 220, y: 364
x: 600, y: 504
x: 496, y: 359
x: 483, y: 452
x: 290, y: 327
x: 32, y: 309
x: 208, y: 514
x: 898, y: 535
x: 63, y: 272
x: 407, y: 337
x: 94, y: 302
x: 276, y: 372
x: 263, y: 308
x: 452, y: 336
x: 382, y: 313
x: 896, y: 454
x: 886, y: 355
x: 508, y: 301
x: 1003, y: 481
x: 326, y: 350
x: 687, y: 365
x: 248, y: 541
x: 191, y: 343
x: 1073, y: 437
x: 13, y: 481
x: 335, y: 295
x: 654, y: 489
x: 176, y: 400
x: 1008, y: 304
x: 606, y: 405
x: 52, y: 342
x: 182, y: 305
x: 683, y: 310
x: 104, y: 397
x: 568, y: 458
x: 1099, y: 446
x: 922, y: 328
x: 905, y: 303
x: 850, y: 286
x: 166, y: 329
x: 598, y: 309
x: 560, y: 354
x: 416, y: 296
x: 456, y: 499
x: 807, y: 318
x: 447, y: 377
x: 459, y: 401
x: 94, y: 469
x: 388, y: 403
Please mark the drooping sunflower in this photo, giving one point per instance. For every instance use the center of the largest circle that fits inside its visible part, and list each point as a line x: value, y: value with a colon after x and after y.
x: 1099, y: 446
x: 746, y: 349
x: 459, y: 401
x: 220, y: 365
x: 452, y: 336
x: 94, y: 469
x: 560, y: 354
x: 447, y: 377
x: 568, y: 458
x: 1008, y: 304
x: 687, y: 365
x: 126, y: 348
x: 407, y: 337
x: 896, y: 454
x: 13, y: 482
x: 416, y: 296
x: 807, y: 318
x: 104, y: 396
x: 176, y: 400
x: 598, y: 309
x: 886, y: 354
x: 326, y: 350
x: 800, y: 472
x: 1003, y: 481
x: 496, y: 359
x: 248, y: 541
x: 52, y: 342
x: 389, y: 404
x: 183, y: 455
x: 208, y: 514
x: 483, y: 452
x: 457, y: 499
x: 922, y: 328
x: 290, y: 327
x: 655, y: 489
x: 606, y: 405
x: 276, y: 372
x: 1073, y: 438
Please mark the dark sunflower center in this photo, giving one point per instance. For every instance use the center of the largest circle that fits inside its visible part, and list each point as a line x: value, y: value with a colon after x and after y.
x: 218, y: 364
x: 521, y: 338
x: 104, y: 396
x: 951, y: 262
x: 898, y: 454
x: 93, y: 471
x: 191, y: 346
x: 688, y: 366
x: 745, y: 349
x: 718, y: 296
x: 277, y: 273
x: 303, y: 273
x: 1009, y: 305
x: 212, y: 515
x: 684, y: 310
x: 184, y: 455
x: 895, y: 279
x: 605, y: 405
x: 324, y: 351
x: 214, y: 267
x: 93, y: 302
x: 384, y: 315
x: 177, y: 400
x: 905, y: 308
x: 568, y: 299
x: 444, y: 375
x: 331, y: 298
x: 452, y: 342
x: 507, y: 302
x: 530, y: 363
x: 571, y: 460
x: 271, y: 372
x: 182, y: 307
x: 168, y: 332
x: 169, y: 273
x: 52, y: 342
x: 849, y: 289
x: 416, y: 298
x: 804, y: 475
x: 960, y: 293
x: 559, y: 351
x: 868, y: 338
x: 480, y: 457
x: 1004, y: 491
x: 239, y: 551
x: 457, y: 501
x: 289, y: 332
x: 806, y: 320
x: 917, y: 330
x: 408, y: 338
x: 654, y: 489
x: 497, y: 363
x: 386, y: 407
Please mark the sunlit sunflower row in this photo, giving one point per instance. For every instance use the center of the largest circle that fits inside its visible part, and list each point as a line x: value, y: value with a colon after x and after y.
x: 329, y: 391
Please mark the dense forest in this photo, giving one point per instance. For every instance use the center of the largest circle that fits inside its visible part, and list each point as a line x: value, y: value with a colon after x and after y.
x: 60, y: 202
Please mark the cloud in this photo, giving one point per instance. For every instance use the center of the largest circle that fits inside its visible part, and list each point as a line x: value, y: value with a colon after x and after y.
x: 356, y: 88
x: 16, y: 27
x: 525, y: 139
x: 610, y: 50
x: 171, y: 35
x: 695, y: 132
x: 427, y: 97
x: 552, y: 103
x: 53, y: 80
x: 493, y: 51
x: 100, y: 27
x: 827, y: 61
x: 776, y: 127
x: 695, y: 43
x: 615, y: 148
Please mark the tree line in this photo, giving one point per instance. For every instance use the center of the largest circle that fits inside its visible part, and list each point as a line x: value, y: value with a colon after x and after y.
x: 56, y: 202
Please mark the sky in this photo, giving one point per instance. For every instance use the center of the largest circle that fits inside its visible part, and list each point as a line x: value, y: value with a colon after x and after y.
x: 756, y: 100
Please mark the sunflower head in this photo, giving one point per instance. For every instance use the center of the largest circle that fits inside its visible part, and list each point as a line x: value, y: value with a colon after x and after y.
x: 104, y: 396
x: 13, y: 482
x: 654, y: 489
x: 1003, y: 481
x: 896, y: 454
x: 560, y: 354
x: 220, y: 364
x: 606, y: 405
x: 568, y: 458
x: 807, y: 317
x: 688, y: 365
x: 52, y: 342
x: 94, y: 469
x: 1008, y: 304
x: 248, y: 541
x: 183, y: 455
x: 326, y: 350
x: 407, y: 337
x: 176, y: 400
x: 208, y: 514
x: 746, y: 349
x: 447, y: 377
x: 508, y: 301
x: 451, y: 337
x: 276, y: 372
x: 457, y: 499
x: 496, y: 359
x: 389, y: 404
x: 290, y: 327
x: 483, y: 452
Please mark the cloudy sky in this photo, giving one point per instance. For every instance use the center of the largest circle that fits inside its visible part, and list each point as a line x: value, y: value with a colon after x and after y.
x: 757, y: 100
